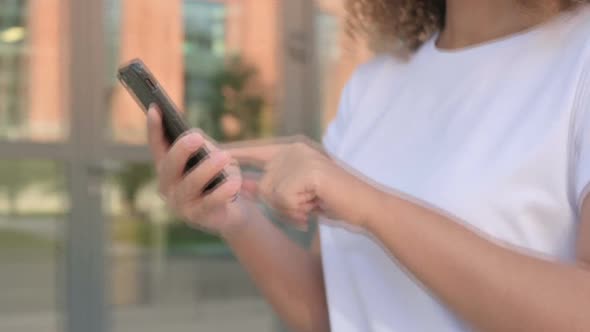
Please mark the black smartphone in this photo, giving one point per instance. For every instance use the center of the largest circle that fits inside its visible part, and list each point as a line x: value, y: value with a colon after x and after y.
x: 145, y: 89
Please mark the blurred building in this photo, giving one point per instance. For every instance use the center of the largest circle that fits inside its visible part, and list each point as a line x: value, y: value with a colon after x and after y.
x: 185, y: 43
x: 180, y: 40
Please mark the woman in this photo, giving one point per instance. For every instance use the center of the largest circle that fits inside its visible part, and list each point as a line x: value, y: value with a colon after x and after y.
x: 452, y: 196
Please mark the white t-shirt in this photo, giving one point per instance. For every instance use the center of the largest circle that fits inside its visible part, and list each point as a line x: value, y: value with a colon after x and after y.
x: 497, y: 135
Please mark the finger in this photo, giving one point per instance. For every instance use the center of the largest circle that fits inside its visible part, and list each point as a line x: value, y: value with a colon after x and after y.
x: 248, y: 153
x: 233, y: 168
x: 224, y: 194
x: 307, y: 207
x: 250, y: 182
x: 156, y: 139
x: 196, y: 180
x: 293, y: 200
x: 174, y: 162
x: 307, y: 196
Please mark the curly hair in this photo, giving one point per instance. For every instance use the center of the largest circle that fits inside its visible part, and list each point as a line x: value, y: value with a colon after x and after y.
x: 404, y: 25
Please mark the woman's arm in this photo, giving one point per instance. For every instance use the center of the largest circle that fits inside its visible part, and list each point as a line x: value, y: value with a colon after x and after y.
x: 493, y: 287
x: 289, y: 276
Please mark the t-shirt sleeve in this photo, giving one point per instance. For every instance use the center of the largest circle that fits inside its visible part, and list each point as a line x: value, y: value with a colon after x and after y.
x: 582, y: 141
x: 356, y: 86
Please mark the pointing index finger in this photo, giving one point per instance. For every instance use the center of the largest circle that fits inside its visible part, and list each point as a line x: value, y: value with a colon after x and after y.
x: 256, y: 153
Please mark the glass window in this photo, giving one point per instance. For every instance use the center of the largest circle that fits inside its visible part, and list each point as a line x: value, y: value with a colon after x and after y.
x: 33, y: 207
x: 164, y: 274
x: 152, y: 31
x: 167, y: 275
x: 220, y: 60
x: 12, y: 67
x: 210, y: 71
x: 31, y: 71
x: 204, y: 53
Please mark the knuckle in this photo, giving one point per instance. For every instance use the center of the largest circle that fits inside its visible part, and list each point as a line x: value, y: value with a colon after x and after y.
x: 163, y: 190
x: 186, y: 212
x: 292, y: 201
x: 173, y: 202
x: 178, y: 200
x: 206, y: 205
x: 158, y: 165
x: 194, y: 218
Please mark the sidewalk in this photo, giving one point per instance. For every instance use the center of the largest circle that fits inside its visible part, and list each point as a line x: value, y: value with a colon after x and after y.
x: 248, y: 314
x: 195, y: 294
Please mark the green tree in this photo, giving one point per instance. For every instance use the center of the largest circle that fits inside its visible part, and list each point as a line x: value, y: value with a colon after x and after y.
x: 234, y: 96
x: 17, y: 176
x: 131, y: 178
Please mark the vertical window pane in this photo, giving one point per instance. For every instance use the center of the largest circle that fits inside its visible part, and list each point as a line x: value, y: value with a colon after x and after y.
x: 150, y: 30
x: 167, y: 276
x: 33, y: 207
x: 32, y: 68
x: 219, y: 67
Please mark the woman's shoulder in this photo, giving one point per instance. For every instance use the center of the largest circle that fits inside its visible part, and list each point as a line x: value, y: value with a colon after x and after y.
x: 368, y: 73
x: 377, y: 65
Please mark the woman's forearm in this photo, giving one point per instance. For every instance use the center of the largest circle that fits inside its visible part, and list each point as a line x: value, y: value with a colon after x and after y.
x: 289, y: 276
x: 492, y: 287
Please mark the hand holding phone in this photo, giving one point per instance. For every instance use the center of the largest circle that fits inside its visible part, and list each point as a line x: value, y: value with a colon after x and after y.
x: 146, y: 90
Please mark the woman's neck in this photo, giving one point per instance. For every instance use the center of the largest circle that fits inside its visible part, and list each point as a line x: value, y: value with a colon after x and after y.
x: 470, y: 22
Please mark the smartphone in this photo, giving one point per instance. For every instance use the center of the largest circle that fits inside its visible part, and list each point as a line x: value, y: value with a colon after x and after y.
x: 145, y: 89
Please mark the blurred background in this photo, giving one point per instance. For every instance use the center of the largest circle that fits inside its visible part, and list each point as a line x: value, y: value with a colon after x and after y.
x: 85, y: 242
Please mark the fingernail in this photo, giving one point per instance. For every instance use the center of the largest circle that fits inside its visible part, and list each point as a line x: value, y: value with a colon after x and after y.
x: 220, y: 157
x: 224, y: 156
x: 193, y: 141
